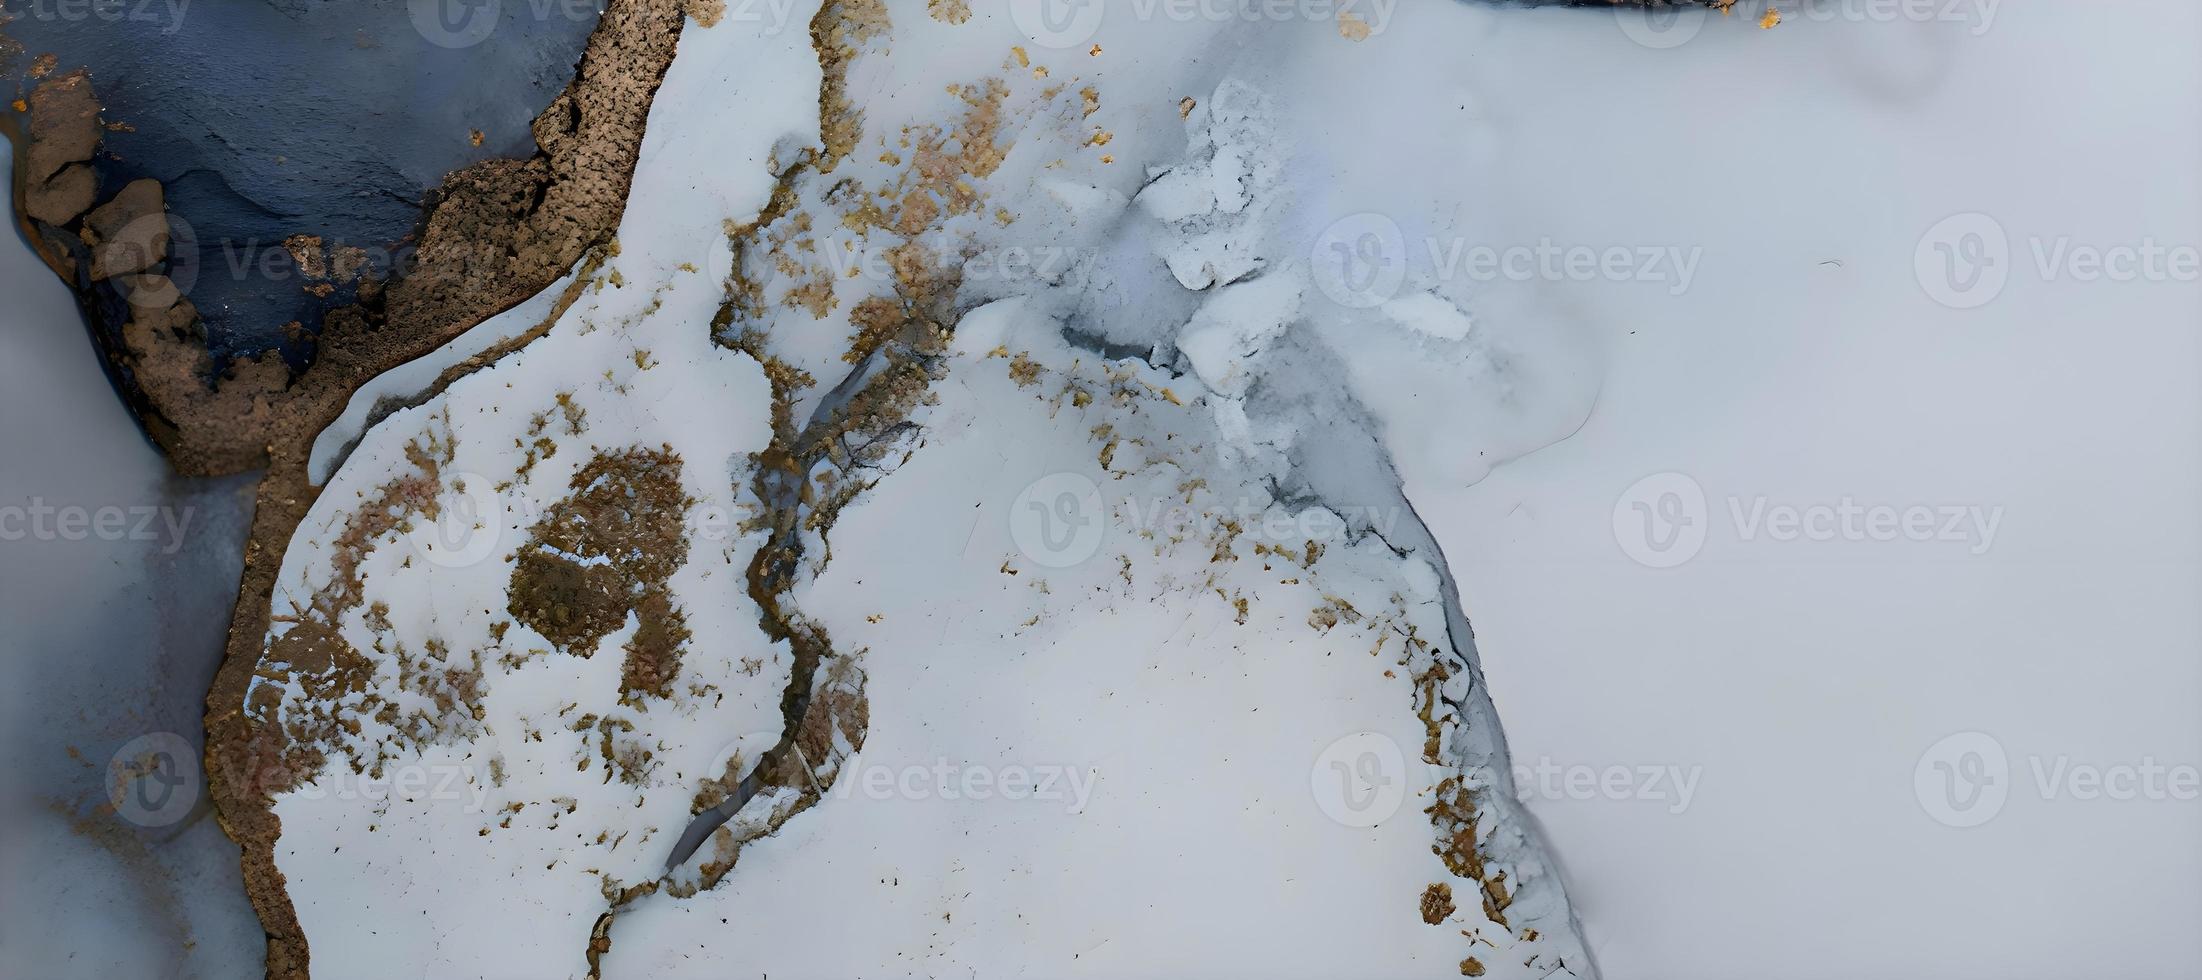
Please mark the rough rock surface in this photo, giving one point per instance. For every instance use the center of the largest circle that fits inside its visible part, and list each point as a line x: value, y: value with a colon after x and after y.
x: 130, y: 233
x: 166, y: 352
x: 58, y: 183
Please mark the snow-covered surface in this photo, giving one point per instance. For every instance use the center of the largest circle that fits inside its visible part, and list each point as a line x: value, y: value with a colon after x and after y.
x: 540, y: 787
x: 1805, y: 681
x: 1260, y: 705
x: 1463, y: 282
x: 1099, y: 748
x: 519, y: 813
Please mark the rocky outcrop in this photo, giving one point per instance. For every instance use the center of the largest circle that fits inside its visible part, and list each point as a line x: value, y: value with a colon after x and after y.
x: 58, y: 182
x: 165, y: 349
x: 121, y: 249
x: 504, y: 229
x: 128, y: 234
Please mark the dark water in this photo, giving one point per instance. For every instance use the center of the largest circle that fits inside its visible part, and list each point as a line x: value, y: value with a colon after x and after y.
x: 271, y: 118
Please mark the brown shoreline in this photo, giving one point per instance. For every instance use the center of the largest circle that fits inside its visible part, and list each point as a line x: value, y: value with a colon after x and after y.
x: 497, y: 233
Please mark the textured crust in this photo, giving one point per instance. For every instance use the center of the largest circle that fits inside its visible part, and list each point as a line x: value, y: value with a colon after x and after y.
x: 57, y: 180
x: 498, y: 233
